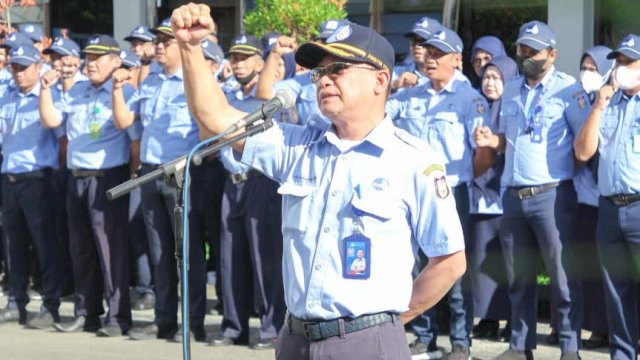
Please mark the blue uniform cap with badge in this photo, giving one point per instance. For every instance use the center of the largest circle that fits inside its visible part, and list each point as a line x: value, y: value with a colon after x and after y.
x: 15, y: 39
x: 102, y: 44
x: 629, y: 47
x: 328, y: 27
x: 446, y: 40
x: 424, y: 28
x: 25, y: 55
x: 269, y: 39
x: 246, y: 45
x: 129, y: 59
x: 350, y: 42
x: 536, y: 35
x: 212, y: 51
x: 164, y: 28
x: 63, y: 47
x: 32, y: 31
x: 141, y: 33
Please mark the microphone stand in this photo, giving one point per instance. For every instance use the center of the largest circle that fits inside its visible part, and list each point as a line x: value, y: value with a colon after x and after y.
x: 175, y: 175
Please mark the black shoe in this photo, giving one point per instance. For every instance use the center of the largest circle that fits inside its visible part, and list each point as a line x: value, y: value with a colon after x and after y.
x: 601, y: 342
x: 505, y: 334
x: 420, y: 350
x: 42, y: 321
x: 552, y: 339
x: 264, y: 344
x: 486, y: 329
x: 196, y: 333
x: 145, y: 302
x: 459, y: 353
x: 109, y: 331
x: 13, y: 315
x: 221, y: 340
x: 152, y: 332
x: 570, y: 355
x: 515, y: 355
x: 80, y: 323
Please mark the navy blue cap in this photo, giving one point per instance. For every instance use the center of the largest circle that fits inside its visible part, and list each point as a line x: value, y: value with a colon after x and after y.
x: 246, y: 45
x: 599, y: 55
x: 102, y: 44
x: 142, y: 33
x: 350, y: 42
x: 129, y: 59
x: 536, y: 35
x: 328, y: 27
x: 24, y: 54
x: 424, y: 27
x: 15, y: 39
x: 164, y: 27
x: 63, y: 47
x: 446, y: 40
x: 629, y: 47
x: 490, y: 44
x: 32, y: 31
x: 212, y: 51
x: 269, y: 39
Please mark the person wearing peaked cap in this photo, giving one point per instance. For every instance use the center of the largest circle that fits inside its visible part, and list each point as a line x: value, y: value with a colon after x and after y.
x: 15, y: 39
x: 446, y: 125
x: 214, y: 55
x: 611, y: 132
x: 141, y: 39
x: 141, y: 33
x: 485, y: 49
x: 328, y: 27
x: 539, y: 203
x: 98, y: 158
x: 65, y: 59
x: 34, y: 33
x: 268, y: 40
x: 411, y: 71
x: 30, y: 153
x: 380, y: 177
x: 168, y: 132
x: 131, y: 63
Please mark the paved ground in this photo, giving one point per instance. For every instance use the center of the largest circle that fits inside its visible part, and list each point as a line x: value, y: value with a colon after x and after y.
x: 17, y: 343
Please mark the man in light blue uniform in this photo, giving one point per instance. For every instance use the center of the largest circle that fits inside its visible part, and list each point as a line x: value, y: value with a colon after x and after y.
x: 444, y: 112
x: 141, y: 40
x: 30, y: 153
x: 539, y: 201
x: 98, y: 155
x: 412, y: 71
x: 251, y: 241
x: 363, y: 184
x: 613, y: 130
x: 169, y: 132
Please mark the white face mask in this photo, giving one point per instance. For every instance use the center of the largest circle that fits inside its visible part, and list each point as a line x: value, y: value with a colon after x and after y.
x: 627, y: 78
x: 591, y: 81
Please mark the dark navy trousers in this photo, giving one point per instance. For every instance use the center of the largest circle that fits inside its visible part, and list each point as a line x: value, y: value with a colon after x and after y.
x: 459, y: 297
x: 99, y: 246
x: 618, y: 240
x: 251, y: 258
x: 28, y: 213
x: 139, y: 246
x: 542, y: 226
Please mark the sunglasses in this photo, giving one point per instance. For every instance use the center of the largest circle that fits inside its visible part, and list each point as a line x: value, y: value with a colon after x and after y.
x: 336, y: 68
x: 164, y: 41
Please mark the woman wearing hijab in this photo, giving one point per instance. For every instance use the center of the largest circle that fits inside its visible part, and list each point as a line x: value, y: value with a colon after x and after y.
x: 486, y: 263
x: 485, y: 49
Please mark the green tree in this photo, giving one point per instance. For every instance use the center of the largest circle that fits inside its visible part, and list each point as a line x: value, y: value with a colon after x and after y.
x: 299, y: 18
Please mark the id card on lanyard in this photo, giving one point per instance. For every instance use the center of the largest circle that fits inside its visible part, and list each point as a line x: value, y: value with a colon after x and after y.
x: 356, y: 250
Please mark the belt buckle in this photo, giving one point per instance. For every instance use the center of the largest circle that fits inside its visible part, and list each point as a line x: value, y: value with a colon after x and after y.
x: 12, y: 179
x: 524, y: 193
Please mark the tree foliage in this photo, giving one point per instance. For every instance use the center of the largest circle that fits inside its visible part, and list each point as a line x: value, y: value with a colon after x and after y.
x: 299, y: 18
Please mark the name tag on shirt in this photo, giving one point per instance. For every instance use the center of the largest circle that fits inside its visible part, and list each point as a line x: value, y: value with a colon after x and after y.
x: 536, y: 133
x: 356, y: 261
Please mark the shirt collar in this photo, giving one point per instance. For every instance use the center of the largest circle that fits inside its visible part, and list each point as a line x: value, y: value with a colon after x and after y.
x: 545, y: 82
x: 378, y: 137
x: 177, y: 74
x: 451, y: 86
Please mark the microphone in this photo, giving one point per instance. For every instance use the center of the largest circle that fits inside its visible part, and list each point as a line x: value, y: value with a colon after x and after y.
x: 284, y: 99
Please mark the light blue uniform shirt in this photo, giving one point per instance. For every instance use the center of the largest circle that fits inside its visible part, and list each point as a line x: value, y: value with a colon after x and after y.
x: 169, y: 129
x: 94, y: 141
x: 247, y: 104
x: 619, y: 166
x: 527, y: 162
x: 391, y: 177
x: 306, y: 96
x: 445, y: 120
x: 27, y: 145
x: 578, y: 107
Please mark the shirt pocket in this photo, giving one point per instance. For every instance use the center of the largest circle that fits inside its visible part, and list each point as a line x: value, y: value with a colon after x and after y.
x: 297, y: 205
x: 608, y: 126
x: 373, y: 212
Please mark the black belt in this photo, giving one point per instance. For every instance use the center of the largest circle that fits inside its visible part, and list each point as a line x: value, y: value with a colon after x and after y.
x: 80, y: 173
x: 242, y: 177
x: 525, y: 192
x: 31, y: 175
x: 623, y: 199
x: 320, y: 330
x: 149, y: 166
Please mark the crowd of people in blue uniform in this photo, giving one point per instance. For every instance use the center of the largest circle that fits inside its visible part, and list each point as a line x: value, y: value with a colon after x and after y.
x: 543, y: 170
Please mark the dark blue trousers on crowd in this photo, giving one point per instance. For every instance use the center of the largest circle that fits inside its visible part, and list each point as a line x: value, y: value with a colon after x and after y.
x: 158, y: 204
x: 459, y: 297
x: 139, y: 246
x: 60, y: 179
x: 618, y: 239
x: 27, y: 213
x: 251, y: 258
x: 542, y: 226
x: 98, y: 242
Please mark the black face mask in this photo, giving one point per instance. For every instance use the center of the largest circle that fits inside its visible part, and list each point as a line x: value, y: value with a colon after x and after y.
x: 529, y: 67
x: 247, y: 79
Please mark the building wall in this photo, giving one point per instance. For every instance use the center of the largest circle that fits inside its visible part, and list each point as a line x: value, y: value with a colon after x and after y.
x: 573, y: 22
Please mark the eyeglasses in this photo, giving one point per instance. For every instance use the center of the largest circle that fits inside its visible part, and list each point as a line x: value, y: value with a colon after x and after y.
x: 336, y: 68
x: 164, y: 41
